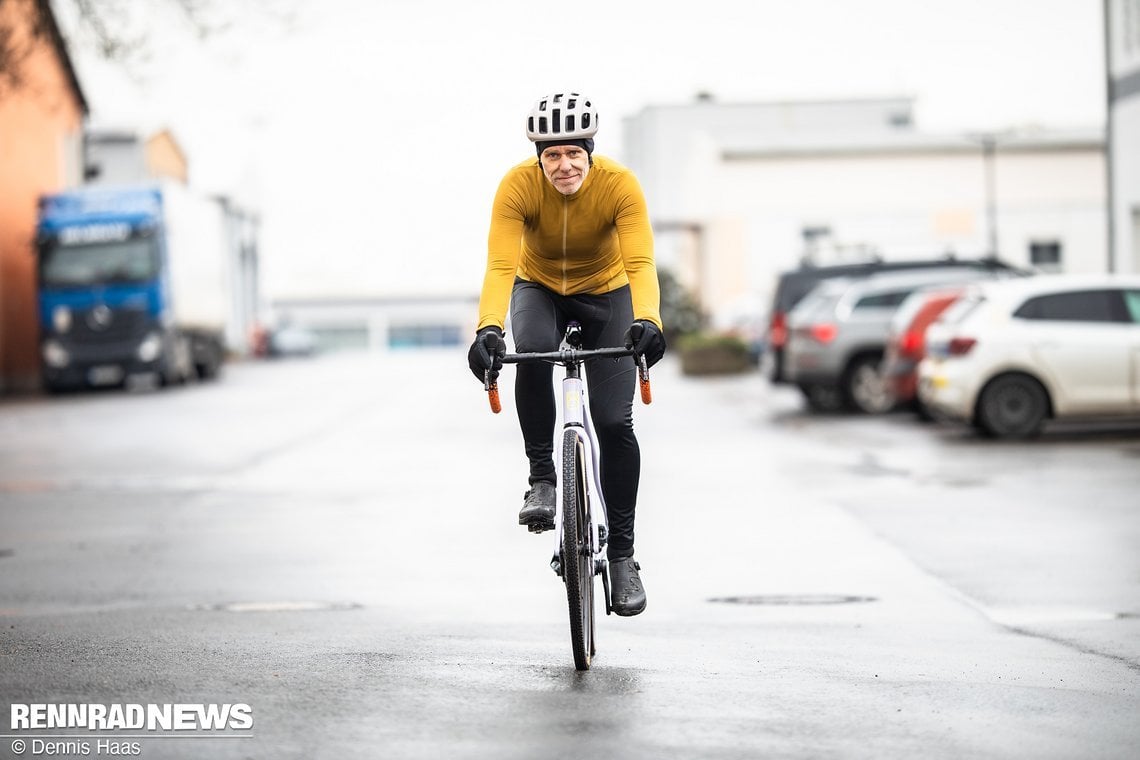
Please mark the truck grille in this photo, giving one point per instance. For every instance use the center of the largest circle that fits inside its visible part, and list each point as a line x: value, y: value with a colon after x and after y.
x: 102, y: 324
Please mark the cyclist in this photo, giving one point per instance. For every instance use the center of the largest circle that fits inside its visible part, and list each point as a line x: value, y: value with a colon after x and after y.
x: 570, y: 239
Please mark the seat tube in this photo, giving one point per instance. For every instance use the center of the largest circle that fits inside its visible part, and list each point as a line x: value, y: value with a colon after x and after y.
x: 572, y: 402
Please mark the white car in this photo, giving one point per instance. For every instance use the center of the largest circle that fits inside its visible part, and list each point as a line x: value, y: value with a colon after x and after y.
x: 1011, y: 354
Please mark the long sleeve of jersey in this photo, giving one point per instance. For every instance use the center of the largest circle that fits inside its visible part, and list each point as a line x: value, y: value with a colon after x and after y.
x: 592, y: 242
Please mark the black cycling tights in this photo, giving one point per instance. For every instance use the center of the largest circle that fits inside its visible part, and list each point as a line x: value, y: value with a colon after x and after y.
x: 538, y: 321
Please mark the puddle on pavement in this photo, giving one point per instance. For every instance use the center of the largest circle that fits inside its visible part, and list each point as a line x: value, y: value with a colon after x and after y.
x: 794, y: 600
x: 869, y: 466
x: 278, y: 606
x: 963, y: 482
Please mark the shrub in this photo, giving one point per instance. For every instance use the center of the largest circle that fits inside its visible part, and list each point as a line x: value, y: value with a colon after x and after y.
x: 713, y: 354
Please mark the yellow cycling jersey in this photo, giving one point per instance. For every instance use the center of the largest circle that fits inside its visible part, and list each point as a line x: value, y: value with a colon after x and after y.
x: 591, y: 242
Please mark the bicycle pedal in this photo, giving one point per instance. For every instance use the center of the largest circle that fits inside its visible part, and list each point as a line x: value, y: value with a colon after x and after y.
x: 539, y: 527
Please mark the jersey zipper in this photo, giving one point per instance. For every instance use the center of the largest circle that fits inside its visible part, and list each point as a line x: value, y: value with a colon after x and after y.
x: 565, y: 222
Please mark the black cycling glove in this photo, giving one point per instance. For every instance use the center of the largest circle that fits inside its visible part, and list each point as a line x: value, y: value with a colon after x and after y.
x: 487, y: 353
x: 645, y: 338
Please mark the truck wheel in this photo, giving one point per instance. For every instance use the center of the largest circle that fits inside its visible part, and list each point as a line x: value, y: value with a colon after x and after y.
x: 1012, y: 406
x: 864, y: 389
x: 211, y: 365
x: 207, y: 370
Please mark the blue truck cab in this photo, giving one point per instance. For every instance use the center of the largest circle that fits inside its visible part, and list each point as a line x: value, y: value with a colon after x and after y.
x: 105, y: 295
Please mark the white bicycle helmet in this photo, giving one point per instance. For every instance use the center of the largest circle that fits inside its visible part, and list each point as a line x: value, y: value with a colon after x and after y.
x: 562, y: 115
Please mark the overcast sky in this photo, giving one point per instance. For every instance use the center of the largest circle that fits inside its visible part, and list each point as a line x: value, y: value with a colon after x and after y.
x: 372, y: 133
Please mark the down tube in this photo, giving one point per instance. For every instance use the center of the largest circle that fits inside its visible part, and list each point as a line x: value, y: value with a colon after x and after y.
x: 598, y: 514
x: 573, y: 414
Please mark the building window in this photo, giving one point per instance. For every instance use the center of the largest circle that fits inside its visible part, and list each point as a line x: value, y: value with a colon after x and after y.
x: 423, y: 335
x: 340, y: 338
x: 900, y: 119
x: 1046, y: 255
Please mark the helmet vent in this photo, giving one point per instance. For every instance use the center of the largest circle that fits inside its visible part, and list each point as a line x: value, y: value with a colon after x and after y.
x: 565, y: 115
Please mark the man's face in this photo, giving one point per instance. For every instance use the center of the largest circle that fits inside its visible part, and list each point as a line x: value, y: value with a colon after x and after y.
x: 565, y: 166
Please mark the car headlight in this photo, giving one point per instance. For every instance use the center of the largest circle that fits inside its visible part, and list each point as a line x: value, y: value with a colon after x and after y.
x: 61, y: 319
x: 150, y: 348
x: 55, y: 355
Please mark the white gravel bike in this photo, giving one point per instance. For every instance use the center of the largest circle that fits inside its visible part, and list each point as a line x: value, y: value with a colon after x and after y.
x: 581, y: 528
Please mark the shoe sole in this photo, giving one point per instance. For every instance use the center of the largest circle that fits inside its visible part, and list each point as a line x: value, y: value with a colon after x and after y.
x: 628, y: 612
x: 538, y: 525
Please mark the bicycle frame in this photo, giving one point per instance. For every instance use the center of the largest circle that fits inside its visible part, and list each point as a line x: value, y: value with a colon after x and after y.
x: 576, y: 417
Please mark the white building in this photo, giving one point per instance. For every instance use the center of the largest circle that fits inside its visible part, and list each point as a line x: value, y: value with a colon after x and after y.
x: 1123, y: 23
x: 739, y: 192
x: 381, y: 323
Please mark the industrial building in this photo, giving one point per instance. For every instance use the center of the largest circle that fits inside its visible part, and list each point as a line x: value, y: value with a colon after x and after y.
x: 741, y: 191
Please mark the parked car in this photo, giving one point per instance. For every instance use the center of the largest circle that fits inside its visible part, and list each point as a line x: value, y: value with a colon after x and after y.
x: 1008, y: 356
x: 793, y: 285
x: 292, y: 340
x: 906, y: 342
x: 837, y: 335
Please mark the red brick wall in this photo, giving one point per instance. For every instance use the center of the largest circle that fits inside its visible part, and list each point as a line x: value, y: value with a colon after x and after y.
x: 41, y: 122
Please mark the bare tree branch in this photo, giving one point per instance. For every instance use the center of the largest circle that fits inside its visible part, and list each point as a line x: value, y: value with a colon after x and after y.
x: 115, y: 29
x: 105, y: 21
x: 13, y: 55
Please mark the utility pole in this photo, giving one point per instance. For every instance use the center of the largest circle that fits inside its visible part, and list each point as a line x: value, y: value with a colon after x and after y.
x: 1110, y: 195
x: 989, y: 148
x: 989, y: 142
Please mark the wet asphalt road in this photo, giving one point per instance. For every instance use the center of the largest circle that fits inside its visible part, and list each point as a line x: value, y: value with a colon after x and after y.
x: 333, y: 542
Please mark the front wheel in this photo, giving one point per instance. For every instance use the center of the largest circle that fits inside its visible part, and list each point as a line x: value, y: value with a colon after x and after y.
x: 577, y: 550
x: 1012, y: 406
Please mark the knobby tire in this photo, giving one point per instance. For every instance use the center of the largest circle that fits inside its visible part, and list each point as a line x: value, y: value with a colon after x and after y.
x: 577, y: 552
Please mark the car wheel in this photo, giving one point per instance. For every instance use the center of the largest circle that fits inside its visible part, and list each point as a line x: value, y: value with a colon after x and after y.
x: 1012, y: 406
x: 864, y: 387
x: 822, y: 398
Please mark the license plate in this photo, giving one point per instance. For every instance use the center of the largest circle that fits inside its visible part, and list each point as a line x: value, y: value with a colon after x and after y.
x: 107, y: 375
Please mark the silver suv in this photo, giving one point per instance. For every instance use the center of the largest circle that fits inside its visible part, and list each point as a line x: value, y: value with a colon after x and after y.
x: 837, y: 335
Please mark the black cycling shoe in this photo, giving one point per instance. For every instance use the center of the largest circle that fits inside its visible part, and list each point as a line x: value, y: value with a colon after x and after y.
x: 539, y: 507
x: 627, y: 595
